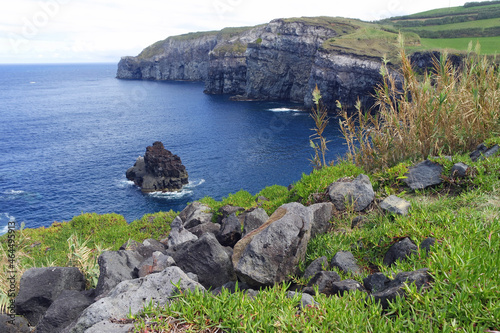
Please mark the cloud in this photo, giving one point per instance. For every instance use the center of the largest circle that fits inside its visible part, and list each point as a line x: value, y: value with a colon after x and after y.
x: 103, y: 29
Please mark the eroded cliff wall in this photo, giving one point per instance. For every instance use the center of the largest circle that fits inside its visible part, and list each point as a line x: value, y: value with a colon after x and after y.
x: 282, y: 60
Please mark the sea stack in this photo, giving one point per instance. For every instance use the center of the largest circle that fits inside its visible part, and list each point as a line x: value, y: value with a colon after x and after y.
x: 158, y: 170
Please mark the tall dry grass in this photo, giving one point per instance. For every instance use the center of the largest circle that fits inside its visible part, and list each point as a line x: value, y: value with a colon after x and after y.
x: 448, y: 110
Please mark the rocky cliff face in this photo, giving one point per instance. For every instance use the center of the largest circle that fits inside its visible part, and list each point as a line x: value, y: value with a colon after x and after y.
x: 282, y: 60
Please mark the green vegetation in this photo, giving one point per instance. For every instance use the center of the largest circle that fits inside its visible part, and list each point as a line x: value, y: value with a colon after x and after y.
x: 450, y: 111
x: 489, y: 45
x: 236, y: 47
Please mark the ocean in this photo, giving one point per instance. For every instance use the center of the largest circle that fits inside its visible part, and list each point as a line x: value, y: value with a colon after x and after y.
x: 68, y: 133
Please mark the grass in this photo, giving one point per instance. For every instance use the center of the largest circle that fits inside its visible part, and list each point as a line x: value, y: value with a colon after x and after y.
x: 489, y: 45
x: 465, y: 295
x: 450, y: 111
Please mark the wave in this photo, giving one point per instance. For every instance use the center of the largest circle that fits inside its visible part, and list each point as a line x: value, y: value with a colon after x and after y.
x: 14, y: 192
x: 184, y: 193
x: 124, y: 183
x: 5, y: 218
x: 284, y: 110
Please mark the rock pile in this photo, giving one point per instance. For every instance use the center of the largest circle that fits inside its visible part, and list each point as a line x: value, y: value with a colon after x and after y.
x: 158, y: 170
x: 247, y: 246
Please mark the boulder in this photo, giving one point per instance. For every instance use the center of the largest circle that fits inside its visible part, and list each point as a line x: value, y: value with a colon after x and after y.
x: 129, y: 297
x: 323, y: 281
x: 200, y: 229
x: 482, y: 152
x: 420, y: 278
x: 346, y: 262
x: 227, y: 210
x: 109, y: 327
x: 358, y: 222
x: 358, y: 193
x: 15, y: 324
x: 400, y: 251
x: 269, y: 254
x: 206, y: 258
x: 427, y: 244
x: 321, y: 216
x: 155, y: 264
x: 131, y: 245
x: 376, y: 282
x: 40, y: 287
x: 305, y: 299
x: 63, y: 311
x: 149, y: 246
x: 459, y: 170
x: 315, y: 267
x: 395, y: 205
x: 254, y: 219
x: 194, y: 214
x: 423, y: 175
x: 158, y: 170
x: 341, y: 287
x: 230, y: 231
x: 115, y: 267
x: 179, y: 236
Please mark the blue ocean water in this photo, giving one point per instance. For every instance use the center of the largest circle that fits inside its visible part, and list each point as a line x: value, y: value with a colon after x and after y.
x: 68, y: 133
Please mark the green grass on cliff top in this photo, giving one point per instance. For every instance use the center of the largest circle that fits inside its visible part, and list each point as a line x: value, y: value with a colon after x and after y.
x: 464, y: 217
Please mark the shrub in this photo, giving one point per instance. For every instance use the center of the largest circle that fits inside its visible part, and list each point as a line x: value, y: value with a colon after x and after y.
x: 449, y: 111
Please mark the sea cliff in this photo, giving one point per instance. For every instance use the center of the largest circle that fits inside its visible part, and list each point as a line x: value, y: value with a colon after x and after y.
x: 281, y: 60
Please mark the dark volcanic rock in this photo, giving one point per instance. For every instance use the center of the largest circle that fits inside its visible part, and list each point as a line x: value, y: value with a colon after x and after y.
x: 158, y: 170
x: 358, y: 193
x: 395, y: 205
x: 459, y: 170
x: 323, y: 280
x: 254, y: 219
x: 420, y: 278
x: 423, y: 175
x: 115, y: 267
x: 400, y: 251
x: 376, y: 282
x: 206, y: 258
x: 13, y: 325
x: 315, y: 267
x: 346, y: 262
x: 39, y: 287
x: 341, y: 287
x: 230, y: 231
x: 63, y: 311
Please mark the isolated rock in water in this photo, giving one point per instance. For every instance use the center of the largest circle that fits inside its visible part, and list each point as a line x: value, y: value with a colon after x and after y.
x: 158, y: 170
x: 321, y: 215
x: 346, y: 262
x: 459, y: 170
x: 20, y: 324
x: 39, y: 287
x: 206, y: 258
x: 269, y: 254
x: 129, y: 297
x: 400, y: 251
x: 194, y: 214
x: 423, y: 175
x: 420, y: 278
x: 63, y: 311
x: 115, y: 267
x: 395, y: 205
x: 254, y: 220
x: 358, y: 193
x: 315, y: 267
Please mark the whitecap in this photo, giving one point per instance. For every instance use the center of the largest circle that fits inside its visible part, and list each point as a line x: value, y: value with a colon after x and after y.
x: 5, y: 218
x: 32, y: 82
x: 194, y: 183
x: 172, y: 195
x: 284, y: 110
x: 14, y: 192
x: 124, y: 183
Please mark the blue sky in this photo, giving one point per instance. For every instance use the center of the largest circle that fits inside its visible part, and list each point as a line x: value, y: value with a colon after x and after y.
x: 61, y: 31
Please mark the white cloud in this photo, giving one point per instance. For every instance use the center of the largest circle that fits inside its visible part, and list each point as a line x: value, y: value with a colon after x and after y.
x: 103, y: 30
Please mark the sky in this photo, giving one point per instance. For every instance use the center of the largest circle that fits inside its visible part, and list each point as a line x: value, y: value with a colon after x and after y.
x: 78, y: 31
